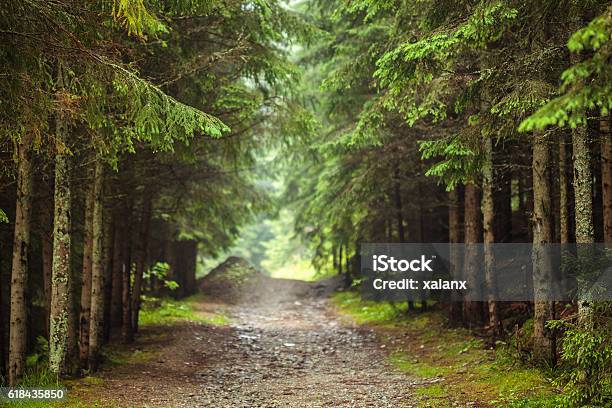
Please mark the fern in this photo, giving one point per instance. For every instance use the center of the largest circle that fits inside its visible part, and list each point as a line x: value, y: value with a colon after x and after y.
x: 3, y: 217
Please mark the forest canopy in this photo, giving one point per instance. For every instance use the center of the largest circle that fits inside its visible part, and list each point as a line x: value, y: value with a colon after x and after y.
x: 141, y: 138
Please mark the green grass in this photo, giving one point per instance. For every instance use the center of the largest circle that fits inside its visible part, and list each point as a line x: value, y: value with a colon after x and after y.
x: 433, y: 391
x: 436, y: 351
x: 40, y: 377
x: 166, y: 312
x: 433, y: 395
x: 421, y: 369
x: 66, y: 403
x: 116, y: 356
x: 365, y: 311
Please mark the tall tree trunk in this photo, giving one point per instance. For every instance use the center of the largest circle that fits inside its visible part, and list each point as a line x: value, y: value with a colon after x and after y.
x: 529, y: 205
x: 420, y: 199
x: 543, y: 233
x: 422, y: 239
x: 96, y: 322
x: 340, y: 260
x: 142, y: 247
x: 555, y: 191
x: 107, y: 256
x: 397, y: 197
x: 116, y: 306
x: 86, y: 283
x: 19, y: 274
x: 191, y: 259
x: 606, y: 177
x: 583, y: 196
x: 46, y: 242
x: 347, y: 272
x: 502, y: 198
x: 334, y: 261
x: 61, y: 306
x: 488, y: 212
x: 126, y: 319
x: 568, y: 283
x: 454, y: 238
x: 2, y: 328
x: 126, y: 324
x: 564, y: 219
x: 472, y: 310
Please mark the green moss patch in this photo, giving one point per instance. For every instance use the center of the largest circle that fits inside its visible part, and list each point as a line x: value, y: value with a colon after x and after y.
x: 166, y: 312
x: 367, y: 312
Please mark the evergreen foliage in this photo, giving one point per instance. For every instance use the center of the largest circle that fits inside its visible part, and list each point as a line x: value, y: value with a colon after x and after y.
x: 382, y: 121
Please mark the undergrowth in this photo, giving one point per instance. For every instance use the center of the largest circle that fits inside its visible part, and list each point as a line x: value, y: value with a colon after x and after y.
x: 167, y: 311
x: 451, y: 360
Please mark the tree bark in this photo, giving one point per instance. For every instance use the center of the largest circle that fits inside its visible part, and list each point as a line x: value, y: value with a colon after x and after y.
x: 347, y: 269
x: 397, y: 196
x: 543, y: 233
x: 454, y: 238
x: 422, y: 238
x: 116, y: 305
x: 583, y: 190
x: 564, y: 219
x: 529, y: 206
x: 19, y: 274
x: 46, y: 242
x: 2, y: 328
x: 472, y: 310
x: 61, y: 307
x: 142, y: 248
x: 126, y: 269
x: 340, y: 260
x: 606, y: 178
x: 191, y: 259
x: 107, y: 256
x: 334, y: 261
x: 520, y: 226
x: 86, y: 283
x: 96, y: 323
x: 126, y: 320
x: 502, y: 196
x: 488, y: 212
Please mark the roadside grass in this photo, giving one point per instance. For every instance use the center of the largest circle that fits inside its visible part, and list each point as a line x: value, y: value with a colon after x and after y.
x: 167, y: 312
x: 421, y: 346
x: 67, y: 403
x: 367, y: 312
x: 155, y: 312
x: 41, y: 378
x: 433, y: 395
x: 114, y: 356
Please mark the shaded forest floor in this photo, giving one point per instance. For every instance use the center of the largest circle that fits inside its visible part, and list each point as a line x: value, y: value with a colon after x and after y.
x: 279, y: 344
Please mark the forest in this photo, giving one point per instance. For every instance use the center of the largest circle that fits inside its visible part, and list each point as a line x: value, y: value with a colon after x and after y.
x: 142, y: 139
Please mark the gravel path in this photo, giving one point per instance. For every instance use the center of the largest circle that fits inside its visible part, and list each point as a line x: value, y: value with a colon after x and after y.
x: 284, y: 348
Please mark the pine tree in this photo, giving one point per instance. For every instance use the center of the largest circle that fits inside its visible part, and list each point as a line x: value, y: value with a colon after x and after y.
x: 21, y: 244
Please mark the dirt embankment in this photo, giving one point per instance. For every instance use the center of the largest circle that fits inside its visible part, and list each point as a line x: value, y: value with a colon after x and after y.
x: 236, y: 281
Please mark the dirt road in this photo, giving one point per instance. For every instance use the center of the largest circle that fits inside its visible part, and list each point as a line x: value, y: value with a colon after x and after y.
x: 285, y: 347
